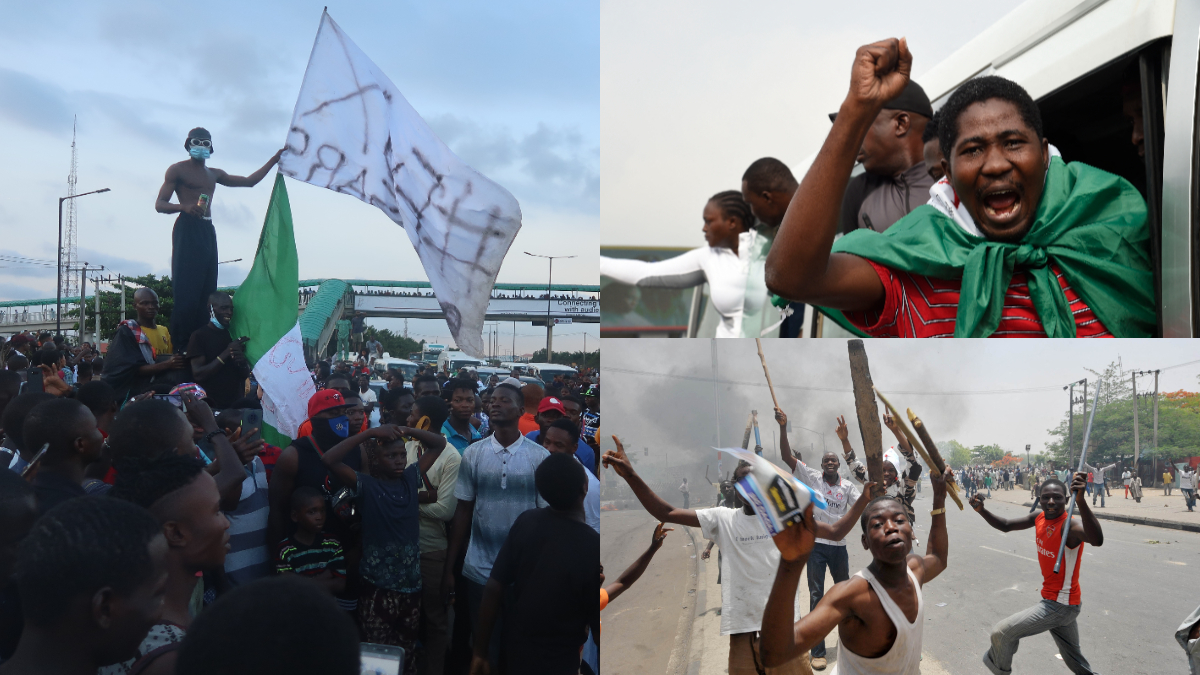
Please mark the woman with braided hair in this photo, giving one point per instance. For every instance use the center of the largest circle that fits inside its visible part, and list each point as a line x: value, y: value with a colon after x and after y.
x: 731, y: 264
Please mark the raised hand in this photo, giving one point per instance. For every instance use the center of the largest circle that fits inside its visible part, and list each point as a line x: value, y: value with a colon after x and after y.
x: 890, y: 422
x: 660, y: 534
x: 780, y: 417
x: 843, y: 432
x: 798, y: 539
x: 618, y: 460
x: 976, y: 502
x: 881, y: 71
x: 1079, y: 485
x: 198, y: 411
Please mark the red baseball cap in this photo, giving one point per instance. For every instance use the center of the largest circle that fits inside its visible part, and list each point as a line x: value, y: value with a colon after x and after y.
x: 324, y: 400
x: 551, y: 403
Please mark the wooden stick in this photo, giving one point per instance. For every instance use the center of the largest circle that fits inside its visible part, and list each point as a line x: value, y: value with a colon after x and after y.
x: 867, y: 411
x: 766, y: 372
x: 746, y: 435
x: 936, y: 461
x: 912, y: 439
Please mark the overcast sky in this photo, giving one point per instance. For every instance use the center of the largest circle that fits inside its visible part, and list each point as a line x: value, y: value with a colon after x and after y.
x: 512, y: 88
x: 694, y: 91
x: 647, y: 407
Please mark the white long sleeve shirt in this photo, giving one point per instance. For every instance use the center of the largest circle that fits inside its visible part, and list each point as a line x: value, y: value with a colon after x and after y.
x: 724, y: 270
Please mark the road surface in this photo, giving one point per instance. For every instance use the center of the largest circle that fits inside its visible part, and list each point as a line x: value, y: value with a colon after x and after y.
x: 1137, y: 588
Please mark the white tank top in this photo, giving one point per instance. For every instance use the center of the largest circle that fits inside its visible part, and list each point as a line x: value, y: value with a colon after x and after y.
x: 904, y: 658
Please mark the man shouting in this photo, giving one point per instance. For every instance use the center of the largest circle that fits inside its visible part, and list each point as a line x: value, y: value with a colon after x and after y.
x: 1061, y: 598
x: 194, y: 241
x: 1013, y: 242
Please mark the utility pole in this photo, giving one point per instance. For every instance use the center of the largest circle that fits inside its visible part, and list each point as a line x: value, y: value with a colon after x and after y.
x: 1136, y: 448
x: 1156, y: 412
x: 121, y: 286
x: 96, y: 340
x: 549, y: 292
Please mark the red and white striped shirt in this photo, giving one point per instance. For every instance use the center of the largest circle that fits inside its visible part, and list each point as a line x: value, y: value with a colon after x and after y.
x: 1063, y: 587
x: 917, y: 306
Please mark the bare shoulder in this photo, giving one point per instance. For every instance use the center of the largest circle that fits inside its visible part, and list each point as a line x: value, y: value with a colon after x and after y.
x: 851, y: 592
x: 916, y: 563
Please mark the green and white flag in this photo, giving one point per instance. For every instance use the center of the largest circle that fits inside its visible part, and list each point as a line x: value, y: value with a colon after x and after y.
x: 266, y: 308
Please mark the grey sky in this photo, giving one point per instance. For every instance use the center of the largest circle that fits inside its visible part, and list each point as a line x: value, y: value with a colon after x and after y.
x: 679, y: 415
x: 513, y: 88
x: 693, y: 92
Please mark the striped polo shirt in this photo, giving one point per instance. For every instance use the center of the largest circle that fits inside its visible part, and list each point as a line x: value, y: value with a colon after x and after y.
x: 248, y: 559
x: 917, y: 306
x: 309, y: 561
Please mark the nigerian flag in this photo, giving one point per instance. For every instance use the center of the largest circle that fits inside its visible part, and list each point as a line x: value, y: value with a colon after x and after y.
x: 266, y: 309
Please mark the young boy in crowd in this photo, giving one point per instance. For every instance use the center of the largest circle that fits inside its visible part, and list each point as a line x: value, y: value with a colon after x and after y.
x: 91, y: 576
x: 389, y: 604
x: 309, y: 552
x: 550, y: 560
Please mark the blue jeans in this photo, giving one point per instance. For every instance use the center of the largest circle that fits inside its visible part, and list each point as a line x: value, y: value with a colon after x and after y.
x: 1189, y: 495
x: 474, y: 600
x: 1097, y: 489
x: 838, y: 562
x: 1047, y: 615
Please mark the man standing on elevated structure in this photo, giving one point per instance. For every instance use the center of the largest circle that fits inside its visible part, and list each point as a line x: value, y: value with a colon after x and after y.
x: 194, y: 241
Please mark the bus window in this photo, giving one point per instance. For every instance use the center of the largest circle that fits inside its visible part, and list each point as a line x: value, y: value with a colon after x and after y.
x: 1092, y: 119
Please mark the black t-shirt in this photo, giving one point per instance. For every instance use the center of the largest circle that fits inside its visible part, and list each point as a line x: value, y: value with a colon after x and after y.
x: 551, y: 563
x: 228, y: 383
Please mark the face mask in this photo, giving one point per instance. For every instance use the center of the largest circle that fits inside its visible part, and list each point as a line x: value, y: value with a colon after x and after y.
x: 199, y: 152
x: 340, y: 426
x: 212, y: 316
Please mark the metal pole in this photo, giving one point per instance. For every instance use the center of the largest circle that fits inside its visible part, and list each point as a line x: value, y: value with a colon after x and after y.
x: 1136, y: 449
x: 121, y: 283
x: 549, y: 323
x: 1156, y: 412
x: 1071, y: 424
x: 96, y: 341
x: 1087, y: 432
x: 58, y: 299
x: 82, y: 303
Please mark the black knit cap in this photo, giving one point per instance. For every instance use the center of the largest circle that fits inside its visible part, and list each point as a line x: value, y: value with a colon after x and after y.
x: 912, y: 99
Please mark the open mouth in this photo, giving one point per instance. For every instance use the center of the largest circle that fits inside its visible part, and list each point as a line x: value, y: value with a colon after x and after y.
x: 1002, y: 206
x: 895, y: 543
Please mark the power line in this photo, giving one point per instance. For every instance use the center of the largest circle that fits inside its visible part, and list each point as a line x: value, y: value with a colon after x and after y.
x: 838, y: 390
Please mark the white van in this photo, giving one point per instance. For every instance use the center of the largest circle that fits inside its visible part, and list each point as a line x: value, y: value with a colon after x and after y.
x: 521, y: 368
x: 1074, y: 57
x: 453, y: 360
x: 387, y: 362
x: 547, y: 371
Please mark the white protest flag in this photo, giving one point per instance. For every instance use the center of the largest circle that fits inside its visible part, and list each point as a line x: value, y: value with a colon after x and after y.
x: 354, y: 132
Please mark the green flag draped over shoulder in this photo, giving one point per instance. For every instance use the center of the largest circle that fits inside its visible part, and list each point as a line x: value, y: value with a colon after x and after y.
x: 1090, y: 223
x: 266, y: 309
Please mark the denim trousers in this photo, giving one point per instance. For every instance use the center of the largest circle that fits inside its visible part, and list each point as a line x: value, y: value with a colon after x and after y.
x: 838, y: 562
x: 1047, y: 615
x: 1097, y: 489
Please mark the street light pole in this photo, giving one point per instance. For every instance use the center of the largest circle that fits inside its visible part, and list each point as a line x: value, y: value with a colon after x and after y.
x: 58, y: 298
x: 549, y: 292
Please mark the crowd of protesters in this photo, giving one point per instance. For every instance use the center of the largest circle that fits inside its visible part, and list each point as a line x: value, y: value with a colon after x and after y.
x: 149, y: 527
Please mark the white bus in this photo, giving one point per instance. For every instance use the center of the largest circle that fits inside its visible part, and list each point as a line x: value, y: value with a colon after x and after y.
x: 451, y: 361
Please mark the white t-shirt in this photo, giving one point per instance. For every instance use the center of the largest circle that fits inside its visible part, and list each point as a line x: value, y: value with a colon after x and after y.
x: 749, y: 560
x: 839, y: 497
x: 1126, y: 476
x: 368, y: 396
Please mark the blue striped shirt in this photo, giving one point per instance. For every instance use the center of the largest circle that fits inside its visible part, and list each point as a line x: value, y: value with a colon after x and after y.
x: 247, y: 559
x: 500, y: 481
